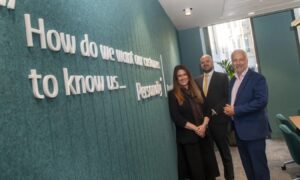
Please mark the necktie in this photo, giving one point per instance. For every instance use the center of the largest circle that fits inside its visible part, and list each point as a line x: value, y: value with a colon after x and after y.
x: 205, y: 84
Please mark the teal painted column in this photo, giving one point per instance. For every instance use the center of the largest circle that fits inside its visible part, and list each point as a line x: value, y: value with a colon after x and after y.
x: 190, y: 49
x: 277, y: 51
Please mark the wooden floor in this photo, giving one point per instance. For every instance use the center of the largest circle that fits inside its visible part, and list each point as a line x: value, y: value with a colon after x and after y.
x: 277, y: 153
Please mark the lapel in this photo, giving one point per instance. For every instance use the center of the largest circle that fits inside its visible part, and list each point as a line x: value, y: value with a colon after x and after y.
x: 231, y: 86
x: 243, y: 84
x: 201, y: 85
x: 211, y: 83
x: 201, y: 81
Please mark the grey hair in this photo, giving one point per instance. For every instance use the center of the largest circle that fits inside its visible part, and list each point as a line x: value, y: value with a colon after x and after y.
x: 239, y: 51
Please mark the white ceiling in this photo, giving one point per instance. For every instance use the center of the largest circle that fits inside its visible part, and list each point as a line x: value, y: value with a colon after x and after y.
x: 208, y: 12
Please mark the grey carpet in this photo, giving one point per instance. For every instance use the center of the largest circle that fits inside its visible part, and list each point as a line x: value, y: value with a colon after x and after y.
x: 277, y: 153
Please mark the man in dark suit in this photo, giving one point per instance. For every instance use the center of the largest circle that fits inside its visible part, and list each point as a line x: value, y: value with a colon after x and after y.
x: 248, y: 102
x: 214, y: 87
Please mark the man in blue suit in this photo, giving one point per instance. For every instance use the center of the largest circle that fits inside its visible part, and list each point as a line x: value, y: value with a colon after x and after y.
x: 247, y: 108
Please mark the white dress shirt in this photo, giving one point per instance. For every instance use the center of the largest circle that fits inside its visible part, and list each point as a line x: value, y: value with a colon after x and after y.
x: 236, y: 85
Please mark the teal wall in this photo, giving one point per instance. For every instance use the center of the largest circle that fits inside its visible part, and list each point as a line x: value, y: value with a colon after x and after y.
x: 190, y: 49
x: 277, y: 51
x: 104, y: 135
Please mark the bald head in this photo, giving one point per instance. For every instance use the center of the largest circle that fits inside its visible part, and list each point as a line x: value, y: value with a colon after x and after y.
x: 206, y: 63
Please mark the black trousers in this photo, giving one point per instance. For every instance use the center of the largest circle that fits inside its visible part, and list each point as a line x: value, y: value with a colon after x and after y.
x: 219, y: 133
x: 197, y: 161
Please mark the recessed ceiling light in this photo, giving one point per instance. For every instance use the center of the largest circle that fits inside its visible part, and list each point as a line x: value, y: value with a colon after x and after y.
x: 188, y: 11
x: 251, y: 13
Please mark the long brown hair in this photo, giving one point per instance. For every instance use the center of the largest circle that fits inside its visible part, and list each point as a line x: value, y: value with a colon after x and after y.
x: 195, y: 92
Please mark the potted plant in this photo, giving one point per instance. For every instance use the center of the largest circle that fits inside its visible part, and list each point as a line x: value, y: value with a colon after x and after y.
x: 227, y: 66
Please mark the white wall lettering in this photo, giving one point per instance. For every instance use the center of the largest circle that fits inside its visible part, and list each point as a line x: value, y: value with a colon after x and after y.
x: 34, y: 81
x: 30, y: 31
x: 84, y: 46
x: 93, y: 50
x: 77, y: 84
x: 11, y: 4
x: 35, y: 88
x: 123, y: 56
x: 87, y: 48
x: 98, y: 83
x: 148, y: 62
x: 54, y: 40
x: 112, y: 83
x: 68, y: 43
x: 68, y: 83
x: 138, y: 60
x: 107, y: 53
x: 90, y: 86
x: 80, y: 84
x: 144, y: 92
x: 47, y: 92
x: 52, y: 34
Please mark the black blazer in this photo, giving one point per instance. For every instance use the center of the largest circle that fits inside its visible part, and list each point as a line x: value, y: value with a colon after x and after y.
x: 181, y: 114
x: 217, y: 95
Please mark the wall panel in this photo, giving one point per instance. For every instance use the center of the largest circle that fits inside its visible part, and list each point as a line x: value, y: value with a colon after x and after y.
x: 277, y: 51
x: 100, y: 135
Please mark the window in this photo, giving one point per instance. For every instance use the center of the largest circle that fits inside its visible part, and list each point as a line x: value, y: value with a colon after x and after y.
x: 297, y: 15
x: 225, y: 38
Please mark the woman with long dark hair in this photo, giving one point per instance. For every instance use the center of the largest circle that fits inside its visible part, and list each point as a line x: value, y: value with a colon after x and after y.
x: 196, y: 158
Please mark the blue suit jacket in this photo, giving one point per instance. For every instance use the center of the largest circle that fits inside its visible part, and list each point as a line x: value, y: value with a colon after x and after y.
x: 250, y: 119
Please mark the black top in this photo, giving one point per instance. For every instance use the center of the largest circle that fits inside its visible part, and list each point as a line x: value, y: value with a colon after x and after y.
x: 181, y: 114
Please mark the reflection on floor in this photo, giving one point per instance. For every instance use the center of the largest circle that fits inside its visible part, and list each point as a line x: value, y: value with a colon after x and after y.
x: 277, y: 153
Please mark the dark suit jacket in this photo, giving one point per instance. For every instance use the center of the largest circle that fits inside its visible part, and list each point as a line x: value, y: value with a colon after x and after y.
x: 181, y: 114
x: 217, y: 95
x: 250, y: 119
